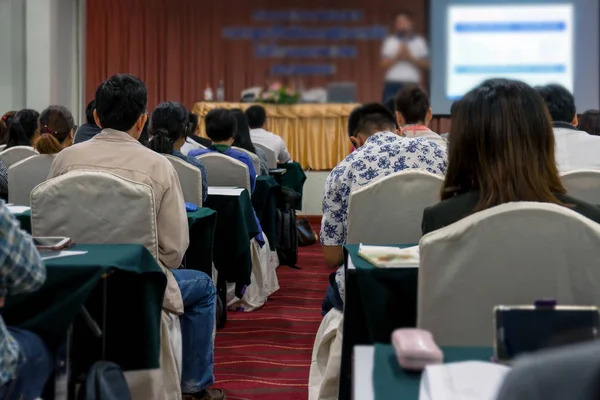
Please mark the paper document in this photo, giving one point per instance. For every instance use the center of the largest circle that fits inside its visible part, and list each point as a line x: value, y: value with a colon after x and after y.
x: 225, y: 191
x: 17, y: 209
x: 49, y: 254
x: 390, y: 257
x: 470, y: 380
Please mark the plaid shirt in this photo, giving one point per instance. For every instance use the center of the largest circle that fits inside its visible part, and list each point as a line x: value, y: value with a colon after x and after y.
x: 21, y: 270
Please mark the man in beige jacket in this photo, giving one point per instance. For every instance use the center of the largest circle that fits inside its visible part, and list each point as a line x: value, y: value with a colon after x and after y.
x: 121, y: 112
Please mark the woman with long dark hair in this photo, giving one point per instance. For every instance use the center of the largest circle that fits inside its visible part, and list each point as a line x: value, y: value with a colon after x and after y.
x: 23, y: 129
x: 501, y: 149
x: 243, y: 140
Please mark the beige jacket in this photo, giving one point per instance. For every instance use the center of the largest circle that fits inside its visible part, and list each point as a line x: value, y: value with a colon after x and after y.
x: 117, y: 152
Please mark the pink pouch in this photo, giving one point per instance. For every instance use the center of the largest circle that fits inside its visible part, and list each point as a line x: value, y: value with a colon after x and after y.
x: 415, y: 349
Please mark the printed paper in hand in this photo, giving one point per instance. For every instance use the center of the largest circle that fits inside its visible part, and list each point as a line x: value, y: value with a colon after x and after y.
x: 390, y: 257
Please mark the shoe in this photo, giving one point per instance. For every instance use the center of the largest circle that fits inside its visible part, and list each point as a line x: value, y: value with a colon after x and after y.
x: 211, y: 394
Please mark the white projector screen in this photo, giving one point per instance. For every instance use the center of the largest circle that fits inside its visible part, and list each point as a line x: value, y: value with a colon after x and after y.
x: 535, y: 41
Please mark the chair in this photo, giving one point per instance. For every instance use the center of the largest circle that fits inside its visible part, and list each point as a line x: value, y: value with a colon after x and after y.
x: 15, y: 154
x: 95, y: 207
x: 2, y: 147
x: 254, y: 157
x: 190, y: 179
x: 25, y: 175
x: 325, y: 366
x: 395, y: 203
x: 584, y: 184
x: 223, y: 170
x: 511, y: 254
x: 270, y: 153
x: 189, y: 145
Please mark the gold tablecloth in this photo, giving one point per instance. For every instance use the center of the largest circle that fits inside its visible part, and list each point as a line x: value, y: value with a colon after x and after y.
x: 316, y: 134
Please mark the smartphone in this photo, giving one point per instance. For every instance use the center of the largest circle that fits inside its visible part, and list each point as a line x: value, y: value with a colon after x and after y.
x: 52, y: 243
x: 526, y: 329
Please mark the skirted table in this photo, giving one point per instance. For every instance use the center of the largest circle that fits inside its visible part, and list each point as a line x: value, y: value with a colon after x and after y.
x: 316, y: 134
x: 125, y: 278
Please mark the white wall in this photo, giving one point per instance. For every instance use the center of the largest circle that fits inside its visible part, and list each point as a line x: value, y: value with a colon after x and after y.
x: 42, y: 39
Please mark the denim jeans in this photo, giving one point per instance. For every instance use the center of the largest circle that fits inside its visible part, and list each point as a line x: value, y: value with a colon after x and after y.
x: 35, y: 367
x: 197, y: 324
x: 332, y: 297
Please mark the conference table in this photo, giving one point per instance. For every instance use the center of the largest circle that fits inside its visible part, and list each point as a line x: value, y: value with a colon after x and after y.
x: 315, y: 134
x: 377, y: 301
x: 378, y: 376
x: 121, y: 286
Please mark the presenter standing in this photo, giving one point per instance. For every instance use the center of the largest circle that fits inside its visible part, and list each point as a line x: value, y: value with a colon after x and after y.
x: 404, y: 55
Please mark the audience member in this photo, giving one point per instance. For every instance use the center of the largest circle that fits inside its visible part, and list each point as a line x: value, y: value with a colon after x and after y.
x: 221, y: 127
x: 193, y: 131
x: 575, y: 149
x: 23, y: 129
x: 169, y: 124
x: 89, y: 129
x: 589, y: 122
x: 243, y: 140
x: 120, y: 112
x: 4, y: 122
x: 257, y: 120
x: 501, y: 150
x: 57, y: 128
x: 25, y: 362
x: 380, y: 151
x: 144, y: 138
x: 414, y: 114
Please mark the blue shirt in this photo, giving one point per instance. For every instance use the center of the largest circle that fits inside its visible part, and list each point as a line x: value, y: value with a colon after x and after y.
x: 198, y: 164
x: 21, y: 271
x: 382, y: 154
x: 233, y: 153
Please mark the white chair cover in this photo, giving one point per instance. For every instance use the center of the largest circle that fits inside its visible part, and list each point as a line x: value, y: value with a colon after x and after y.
x: 2, y: 147
x: 254, y: 157
x: 95, y: 207
x: 512, y: 254
x: 395, y: 207
x: 190, y: 144
x: 190, y: 179
x: 14, y: 154
x: 223, y: 170
x: 270, y: 153
x: 583, y: 184
x: 326, y: 361
x: 25, y: 175
x: 263, y: 277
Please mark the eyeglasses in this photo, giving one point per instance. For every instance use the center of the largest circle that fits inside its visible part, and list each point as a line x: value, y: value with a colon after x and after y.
x: 75, y: 128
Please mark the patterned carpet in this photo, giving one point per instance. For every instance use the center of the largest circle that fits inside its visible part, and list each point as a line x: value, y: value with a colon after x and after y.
x: 266, y: 354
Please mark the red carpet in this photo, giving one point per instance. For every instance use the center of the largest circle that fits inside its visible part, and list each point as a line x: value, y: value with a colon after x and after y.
x: 266, y: 354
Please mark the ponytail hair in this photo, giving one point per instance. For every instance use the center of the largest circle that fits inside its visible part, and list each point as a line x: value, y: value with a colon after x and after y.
x: 22, y: 128
x: 168, y: 124
x: 4, y: 122
x: 161, y: 142
x: 56, y: 126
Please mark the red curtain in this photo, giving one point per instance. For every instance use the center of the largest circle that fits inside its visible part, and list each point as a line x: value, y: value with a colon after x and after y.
x: 177, y: 48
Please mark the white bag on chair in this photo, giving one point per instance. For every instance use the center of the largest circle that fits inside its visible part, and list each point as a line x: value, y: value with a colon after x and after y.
x: 326, y: 362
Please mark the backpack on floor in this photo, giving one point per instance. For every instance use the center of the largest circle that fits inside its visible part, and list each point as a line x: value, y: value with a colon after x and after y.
x: 287, y: 234
x: 104, y: 381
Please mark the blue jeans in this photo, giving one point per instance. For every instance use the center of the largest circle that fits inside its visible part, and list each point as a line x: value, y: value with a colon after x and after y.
x: 35, y: 367
x: 332, y: 299
x: 197, y: 324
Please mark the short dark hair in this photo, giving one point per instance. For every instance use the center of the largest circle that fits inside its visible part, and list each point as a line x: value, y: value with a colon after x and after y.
x: 501, y: 145
x: 413, y: 103
x: 242, y: 133
x: 257, y: 116
x: 120, y: 102
x: 89, y: 112
x: 22, y: 128
x: 589, y: 122
x: 560, y: 102
x: 192, y: 124
x: 369, y: 118
x: 168, y: 123
x: 56, y: 124
x: 220, y: 125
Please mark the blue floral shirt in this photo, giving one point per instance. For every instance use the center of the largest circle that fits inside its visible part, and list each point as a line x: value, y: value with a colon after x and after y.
x: 382, y: 154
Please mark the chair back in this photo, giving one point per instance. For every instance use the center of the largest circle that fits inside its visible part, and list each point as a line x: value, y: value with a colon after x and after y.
x: 511, y: 254
x: 390, y: 210
x: 15, y: 154
x: 254, y: 157
x: 189, y: 145
x: 95, y: 207
x: 223, y: 170
x: 583, y: 184
x: 2, y: 147
x: 190, y: 179
x: 25, y: 175
x: 270, y: 153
